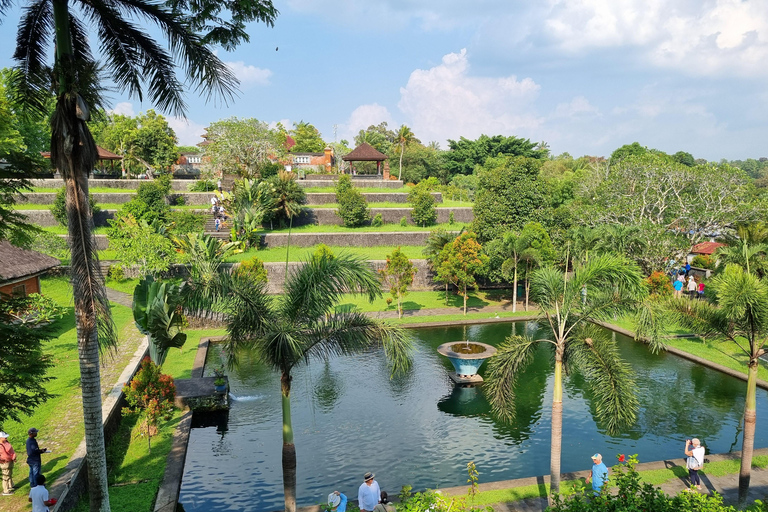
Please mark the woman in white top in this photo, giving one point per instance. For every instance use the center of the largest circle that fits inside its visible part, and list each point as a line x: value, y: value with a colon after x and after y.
x: 693, y: 288
x: 694, y: 449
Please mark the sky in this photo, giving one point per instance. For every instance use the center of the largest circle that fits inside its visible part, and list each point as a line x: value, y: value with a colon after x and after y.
x: 585, y: 76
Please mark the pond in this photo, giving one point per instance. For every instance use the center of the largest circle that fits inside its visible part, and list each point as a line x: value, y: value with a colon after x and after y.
x: 419, y: 429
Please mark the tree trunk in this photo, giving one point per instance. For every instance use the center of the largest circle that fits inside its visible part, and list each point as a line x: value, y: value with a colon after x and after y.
x: 74, y: 153
x: 465, y: 300
x: 400, y: 173
x: 514, y: 290
x: 750, y: 419
x: 289, y: 449
x: 557, y: 426
x: 399, y: 307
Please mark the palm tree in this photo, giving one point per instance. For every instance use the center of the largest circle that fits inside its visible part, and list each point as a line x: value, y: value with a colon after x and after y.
x: 616, y: 288
x: 404, y: 137
x: 738, y: 314
x: 302, y: 324
x: 753, y: 258
x: 433, y: 247
x: 136, y: 63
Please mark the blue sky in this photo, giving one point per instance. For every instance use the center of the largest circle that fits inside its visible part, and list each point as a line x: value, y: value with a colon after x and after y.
x: 586, y: 76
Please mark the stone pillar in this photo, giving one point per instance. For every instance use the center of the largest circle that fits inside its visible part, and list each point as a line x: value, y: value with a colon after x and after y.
x: 327, y: 160
x: 386, y: 170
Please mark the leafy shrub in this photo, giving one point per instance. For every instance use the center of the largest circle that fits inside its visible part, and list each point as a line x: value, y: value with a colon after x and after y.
x: 704, y: 261
x: 279, y: 198
x: 116, y: 273
x: 353, y: 208
x: 59, y: 208
x: 32, y: 309
x: 377, y: 220
x: 149, y: 203
x: 404, y: 221
x: 450, y: 218
x: 423, y: 204
x: 269, y: 169
x: 252, y: 269
x: 323, y: 251
x: 343, y: 184
x: 178, y: 200
x: 150, y: 394
x: 48, y: 243
x: 186, y: 222
x: 659, y: 284
x: 202, y: 186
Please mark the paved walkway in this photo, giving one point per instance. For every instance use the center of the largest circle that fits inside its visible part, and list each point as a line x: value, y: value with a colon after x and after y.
x: 124, y: 299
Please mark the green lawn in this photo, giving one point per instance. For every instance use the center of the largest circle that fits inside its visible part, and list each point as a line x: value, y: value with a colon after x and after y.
x: 274, y: 254
x: 122, y: 285
x: 445, y: 204
x: 314, y: 228
x: 415, y: 301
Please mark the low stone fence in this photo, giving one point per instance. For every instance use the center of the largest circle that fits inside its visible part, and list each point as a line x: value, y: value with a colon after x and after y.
x: 46, y: 219
x: 362, y: 239
x: 178, y: 185
x: 371, y: 197
x: 328, y: 216
x: 362, y: 183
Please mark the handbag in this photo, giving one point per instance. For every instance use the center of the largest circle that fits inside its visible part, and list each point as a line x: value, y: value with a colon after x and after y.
x: 693, y: 463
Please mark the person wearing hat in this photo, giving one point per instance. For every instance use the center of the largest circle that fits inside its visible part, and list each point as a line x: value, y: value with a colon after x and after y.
x: 337, y: 502
x: 369, y: 494
x: 599, y: 473
x: 33, y: 456
x: 7, y: 458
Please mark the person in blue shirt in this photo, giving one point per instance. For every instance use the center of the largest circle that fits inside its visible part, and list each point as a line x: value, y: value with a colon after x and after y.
x: 337, y: 502
x: 33, y: 456
x: 599, y: 473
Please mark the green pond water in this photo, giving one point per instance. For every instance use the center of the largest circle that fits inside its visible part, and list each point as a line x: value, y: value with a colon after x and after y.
x: 419, y: 429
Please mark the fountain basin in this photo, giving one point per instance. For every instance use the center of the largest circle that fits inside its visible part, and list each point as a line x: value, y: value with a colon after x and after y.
x: 466, y: 358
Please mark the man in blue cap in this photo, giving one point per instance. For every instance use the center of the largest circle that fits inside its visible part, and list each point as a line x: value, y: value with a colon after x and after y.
x: 599, y: 473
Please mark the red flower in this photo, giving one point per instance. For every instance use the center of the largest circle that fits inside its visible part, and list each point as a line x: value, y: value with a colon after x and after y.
x: 621, y: 458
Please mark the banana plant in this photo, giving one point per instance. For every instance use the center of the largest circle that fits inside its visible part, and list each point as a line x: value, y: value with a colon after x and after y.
x: 156, y: 313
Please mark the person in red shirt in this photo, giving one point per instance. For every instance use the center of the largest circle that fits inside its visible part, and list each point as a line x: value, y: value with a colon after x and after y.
x: 7, y: 458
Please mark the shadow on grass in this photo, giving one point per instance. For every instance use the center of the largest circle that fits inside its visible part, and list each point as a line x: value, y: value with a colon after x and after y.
x: 680, y: 472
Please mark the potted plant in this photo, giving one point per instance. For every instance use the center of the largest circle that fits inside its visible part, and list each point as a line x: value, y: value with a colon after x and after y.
x: 220, y: 382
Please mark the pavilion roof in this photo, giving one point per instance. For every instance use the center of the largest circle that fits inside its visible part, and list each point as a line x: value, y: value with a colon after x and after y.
x: 16, y: 262
x: 706, y: 247
x: 103, y: 154
x: 365, y: 153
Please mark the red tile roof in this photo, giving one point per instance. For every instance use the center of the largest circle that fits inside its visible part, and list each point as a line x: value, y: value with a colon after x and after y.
x: 103, y: 154
x: 706, y: 247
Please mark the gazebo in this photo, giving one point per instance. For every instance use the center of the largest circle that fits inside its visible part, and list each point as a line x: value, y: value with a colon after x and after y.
x: 366, y: 153
x: 104, y: 156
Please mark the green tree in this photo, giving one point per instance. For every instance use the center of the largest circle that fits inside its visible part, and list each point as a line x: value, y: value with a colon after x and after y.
x: 628, y: 150
x: 35, y: 132
x: 510, y: 194
x: 140, y: 244
x: 353, y: 207
x: 151, y: 394
x: 397, y: 275
x: 242, y: 146
x: 280, y: 199
x: 433, y: 251
x: 533, y: 247
x: 59, y: 207
x: 156, y: 311
x: 466, y: 155
x: 136, y: 63
x: 460, y: 261
x: 423, y: 210
x: 615, y: 288
x: 738, y: 314
x: 308, y: 138
x: 403, y: 138
x: 303, y: 324
x: 23, y: 368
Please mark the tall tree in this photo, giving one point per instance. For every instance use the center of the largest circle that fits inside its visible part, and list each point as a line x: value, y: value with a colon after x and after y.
x: 137, y: 64
x: 308, y: 138
x: 404, y: 137
x: 466, y: 155
x: 738, y: 315
x: 615, y: 287
x: 398, y: 276
x: 460, y: 261
x: 303, y: 324
x: 242, y: 146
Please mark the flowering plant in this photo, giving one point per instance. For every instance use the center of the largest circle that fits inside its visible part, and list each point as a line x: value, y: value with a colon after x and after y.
x: 152, y: 394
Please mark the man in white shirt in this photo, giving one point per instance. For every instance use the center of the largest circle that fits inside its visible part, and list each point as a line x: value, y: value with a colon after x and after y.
x: 369, y: 494
x: 38, y: 496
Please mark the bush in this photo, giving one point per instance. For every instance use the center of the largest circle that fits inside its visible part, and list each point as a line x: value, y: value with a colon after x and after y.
x: 151, y: 394
x: 203, y: 186
x: 704, y: 261
x: 269, y: 169
x: 450, y: 218
x: 186, y: 222
x: 659, y: 285
x: 150, y: 203
x: 323, y: 251
x: 252, y: 269
x: 178, y: 200
x: 404, y: 221
x: 353, y: 208
x: 59, y: 208
x: 343, y: 184
x: 377, y: 220
x: 423, y: 203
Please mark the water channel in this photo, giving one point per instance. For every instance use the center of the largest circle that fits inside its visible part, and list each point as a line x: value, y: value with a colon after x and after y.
x: 419, y: 429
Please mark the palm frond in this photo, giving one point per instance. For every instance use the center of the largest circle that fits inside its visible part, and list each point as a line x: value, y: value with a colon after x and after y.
x: 247, y: 306
x: 610, y: 378
x: 503, y: 371
x: 316, y: 286
x: 351, y: 332
x: 31, y: 83
x: 547, y: 286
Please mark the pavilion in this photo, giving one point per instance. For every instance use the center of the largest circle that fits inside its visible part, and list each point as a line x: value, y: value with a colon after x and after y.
x: 366, y: 153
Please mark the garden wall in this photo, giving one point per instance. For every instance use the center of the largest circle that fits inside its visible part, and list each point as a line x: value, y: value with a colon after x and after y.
x: 358, y: 182
x: 370, y: 239
x: 328, y: 216
x: 371, y: 197
x: 45, y: 218
x: 178, y: 185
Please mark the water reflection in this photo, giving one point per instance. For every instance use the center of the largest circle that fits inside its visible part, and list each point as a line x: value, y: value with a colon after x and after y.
x: 350, y: 416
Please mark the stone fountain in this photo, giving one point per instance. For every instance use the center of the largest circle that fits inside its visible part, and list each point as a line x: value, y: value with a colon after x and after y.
x: 466, y: 357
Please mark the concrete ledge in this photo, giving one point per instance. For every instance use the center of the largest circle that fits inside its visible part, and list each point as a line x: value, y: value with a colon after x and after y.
x: 371, y: 197
x: 369, y: 239
x: 358, y: 182
x: 180, y: 185
x: 329, y: 217
x: 69, y: 486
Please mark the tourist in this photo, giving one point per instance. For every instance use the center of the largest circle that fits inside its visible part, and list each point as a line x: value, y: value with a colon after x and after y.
x: 695, y: 453
x: 681, y: 276
x: 369, y: 494
x: 214, y: 201
x: 687, y: 269
x: 217, y: 223
x: 218, y: 185
x: 337, y: 502
x: 385, y: 505
x: 7, y: 458
x: 678, y: 284
x: 701, y: 290
x: 692, y: 287
x: 38, y: 496
x: 599, y: 473
x: 33, y: 456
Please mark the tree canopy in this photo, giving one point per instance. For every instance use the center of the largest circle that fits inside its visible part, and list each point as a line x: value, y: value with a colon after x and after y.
x: 465, y: 155
x: 242, y: 146
x: 308, y: 138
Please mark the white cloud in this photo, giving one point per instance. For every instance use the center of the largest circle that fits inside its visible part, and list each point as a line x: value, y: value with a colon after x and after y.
x: 248, y: 75
x: 446, y: 102
x: 363, y: 117
x: 188, y: 132
x: 124, y: 108
x: 579, y: 106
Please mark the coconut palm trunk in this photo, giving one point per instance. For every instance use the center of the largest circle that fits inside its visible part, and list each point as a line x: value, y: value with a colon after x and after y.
x: 750, y: 421
x: 514, y: 290
x: 289, y: 449
x: 556, y: 442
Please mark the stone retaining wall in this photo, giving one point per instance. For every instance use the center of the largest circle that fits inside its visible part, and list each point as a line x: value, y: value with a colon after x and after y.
x: 178, y: 185
x: 328, y: 216
x: 46, y: 219
x: 371, y: 239
x: 362, y: 183
x: 371, y: 197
